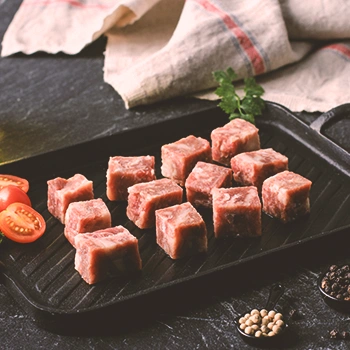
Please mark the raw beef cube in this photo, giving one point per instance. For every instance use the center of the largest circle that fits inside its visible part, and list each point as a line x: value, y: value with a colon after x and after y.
x: 253, y: 168
x: 203, y: 178
x: 61, y: 192
x: 145, y: 198
x: 286, y: 196
x: 236, y: 211
x: 106, y: 253
x: 179, y: 158
x: 235, y: 137
x: 124, y: 172
x: 86, y: 216
x: 181, y: 231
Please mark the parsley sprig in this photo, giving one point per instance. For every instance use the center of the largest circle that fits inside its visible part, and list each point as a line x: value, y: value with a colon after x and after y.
x: 247, y: 107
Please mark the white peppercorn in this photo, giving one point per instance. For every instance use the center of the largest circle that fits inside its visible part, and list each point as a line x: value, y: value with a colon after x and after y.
x: 249, y: 322
x: 272, y: 313
x: 270, y: 325
x: 258, y: 334
x: 248, y: 330
x: 276, y: 329
x: 255, y: 327
x: 280, y: 323
x: 271, y: 334
x: 266, y: 320
x: 241, y: 320
x: 264, y: 328
x: 263, y: 312
x: 255, y: 318
x: 254, y: 311
x: 278, y: 316
x: 242, y: 326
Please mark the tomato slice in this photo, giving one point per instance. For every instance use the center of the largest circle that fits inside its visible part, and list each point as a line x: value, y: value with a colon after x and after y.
x: 21, y: 223
x: 6, y: 180
x: 12, y: 194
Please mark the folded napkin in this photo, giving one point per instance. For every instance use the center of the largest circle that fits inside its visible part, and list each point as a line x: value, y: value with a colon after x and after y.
x: 158, y: 49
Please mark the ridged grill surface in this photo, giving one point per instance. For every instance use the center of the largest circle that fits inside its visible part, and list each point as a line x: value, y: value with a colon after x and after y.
x: 45, y: 270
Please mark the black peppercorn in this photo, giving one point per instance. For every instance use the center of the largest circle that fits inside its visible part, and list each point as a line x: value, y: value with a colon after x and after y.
x: 333, y: 268
x: 345, y: 268
x: 334, y: 334
x: 325, y: 283
x: 332, y: 276
x: 294, y: 314
x: 335, y: 287
x: 345, y: 335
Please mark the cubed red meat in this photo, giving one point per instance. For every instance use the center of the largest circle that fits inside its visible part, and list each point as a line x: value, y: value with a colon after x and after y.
x: 181, y: 231
x: 86, y: 216
x: 145, y: 198
x: 253, y: 168
x: 236, y: 212
x: 203, y: 178
x: 107, y: 253
x: 179, y: 158
x: 286, y: 196
x: 235, y: 137
x: 61, y: 192
x: 124, y: 172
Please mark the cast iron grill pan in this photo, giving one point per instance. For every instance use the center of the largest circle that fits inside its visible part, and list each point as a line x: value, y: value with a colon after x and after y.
x: 41, y: 275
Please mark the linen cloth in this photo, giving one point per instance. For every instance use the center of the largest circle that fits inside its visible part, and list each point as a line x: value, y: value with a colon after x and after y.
x: 158, y: 49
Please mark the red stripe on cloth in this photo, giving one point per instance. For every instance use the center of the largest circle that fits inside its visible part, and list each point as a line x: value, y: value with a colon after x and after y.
x: 339, y: 48
x: 70, y: 2
x: 243, y: 39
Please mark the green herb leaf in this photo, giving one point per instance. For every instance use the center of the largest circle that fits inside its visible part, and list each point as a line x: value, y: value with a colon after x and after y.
x: 1, y: 237
x: 247, y: 107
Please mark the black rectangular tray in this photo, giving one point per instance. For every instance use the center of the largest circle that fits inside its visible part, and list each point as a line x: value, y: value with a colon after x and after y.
x: 41, y: 275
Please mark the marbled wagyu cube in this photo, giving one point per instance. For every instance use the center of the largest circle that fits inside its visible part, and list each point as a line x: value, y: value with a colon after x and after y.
x: 202, y: 179
x: 124, y: 172
x: 236, y: 212
x: 61, y: 192
x: 253, y: 168
x: 179, y: 158
x: 145, y: 198
x: 181, y: 231
x: 107, y: 253
x: 286, y: 196
x: 233, y: 138
x: 86, y: 216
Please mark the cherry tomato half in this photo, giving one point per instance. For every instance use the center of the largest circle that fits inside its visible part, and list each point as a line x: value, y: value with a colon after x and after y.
x: 21, y: 223
x: 12, y: 194
x: 6, y: 180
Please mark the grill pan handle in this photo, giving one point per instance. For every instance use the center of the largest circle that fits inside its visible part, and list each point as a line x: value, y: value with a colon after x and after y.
x: 334, y: 113
x: 339, y: 112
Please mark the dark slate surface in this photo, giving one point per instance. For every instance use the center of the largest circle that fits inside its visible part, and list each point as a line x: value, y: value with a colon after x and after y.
x: 49, y: 102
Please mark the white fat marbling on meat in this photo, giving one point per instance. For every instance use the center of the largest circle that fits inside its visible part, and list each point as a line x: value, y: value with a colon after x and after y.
x: 120, y: 163
x: 231, y: 196
x: 154, y: 188
x: 186, y: 146
x: 180, y: 214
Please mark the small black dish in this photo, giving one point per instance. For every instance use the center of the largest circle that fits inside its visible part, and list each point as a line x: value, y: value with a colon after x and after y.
x: 334, y: 303
x: 276, y: 292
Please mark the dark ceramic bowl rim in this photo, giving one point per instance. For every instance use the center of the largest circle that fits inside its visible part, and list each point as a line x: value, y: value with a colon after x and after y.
x: 260, y: 339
